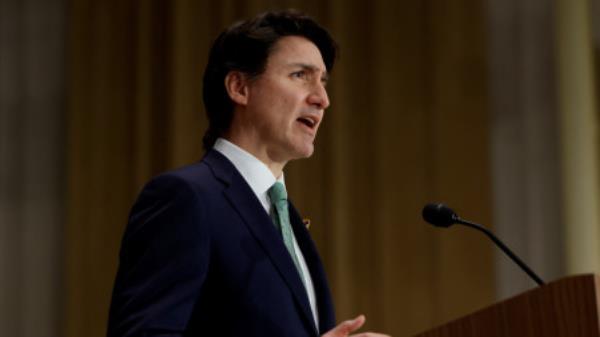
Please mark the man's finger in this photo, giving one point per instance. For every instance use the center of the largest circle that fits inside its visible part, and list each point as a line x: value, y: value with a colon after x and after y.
x: 352, y: 325
x: 346, y: 327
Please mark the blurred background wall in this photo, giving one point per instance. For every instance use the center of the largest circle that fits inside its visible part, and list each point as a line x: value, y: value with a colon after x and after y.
x: 33, y: 163
x: 489, y: 106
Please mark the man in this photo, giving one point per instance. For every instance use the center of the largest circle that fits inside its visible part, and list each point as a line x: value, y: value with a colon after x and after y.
x: 215, y: 248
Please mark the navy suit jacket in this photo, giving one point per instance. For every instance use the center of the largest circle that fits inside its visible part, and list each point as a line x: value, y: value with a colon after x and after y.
x: 201, y: 257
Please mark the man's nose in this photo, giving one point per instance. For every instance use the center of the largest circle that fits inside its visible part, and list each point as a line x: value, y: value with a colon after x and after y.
x: 318, y: 97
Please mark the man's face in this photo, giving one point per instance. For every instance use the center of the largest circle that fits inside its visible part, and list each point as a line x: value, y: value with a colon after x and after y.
x: 285, y: 104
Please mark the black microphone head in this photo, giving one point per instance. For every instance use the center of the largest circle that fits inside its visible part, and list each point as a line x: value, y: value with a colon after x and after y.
x: 439, y: 215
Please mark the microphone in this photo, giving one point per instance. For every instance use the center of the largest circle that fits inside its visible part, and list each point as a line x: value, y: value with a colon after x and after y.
x: 441, y: 215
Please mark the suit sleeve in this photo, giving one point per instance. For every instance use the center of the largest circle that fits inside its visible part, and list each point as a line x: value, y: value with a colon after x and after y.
x: 163, y: 261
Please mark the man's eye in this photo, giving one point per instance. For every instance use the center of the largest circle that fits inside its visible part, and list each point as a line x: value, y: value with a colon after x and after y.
x: 299, y: 74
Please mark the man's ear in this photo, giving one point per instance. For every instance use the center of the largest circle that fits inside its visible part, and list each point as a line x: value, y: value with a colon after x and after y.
x: 236, y: 84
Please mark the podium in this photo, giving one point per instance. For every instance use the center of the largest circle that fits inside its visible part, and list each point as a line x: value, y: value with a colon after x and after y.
x: 564, y: 308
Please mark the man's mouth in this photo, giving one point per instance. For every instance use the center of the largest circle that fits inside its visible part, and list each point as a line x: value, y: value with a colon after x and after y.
x: 307, y: 121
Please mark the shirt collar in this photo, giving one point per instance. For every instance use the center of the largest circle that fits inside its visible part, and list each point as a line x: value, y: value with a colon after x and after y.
x: 254, y: 171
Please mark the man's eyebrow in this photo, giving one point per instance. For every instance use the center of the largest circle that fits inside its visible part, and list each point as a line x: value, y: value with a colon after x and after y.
x: 310, y: 67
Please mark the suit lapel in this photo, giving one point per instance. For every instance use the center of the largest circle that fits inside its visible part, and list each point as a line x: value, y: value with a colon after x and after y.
x: 317, y: 272
x: 244, y: 201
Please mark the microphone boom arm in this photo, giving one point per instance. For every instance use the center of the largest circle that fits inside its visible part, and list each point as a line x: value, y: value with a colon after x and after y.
x: 502, y: 246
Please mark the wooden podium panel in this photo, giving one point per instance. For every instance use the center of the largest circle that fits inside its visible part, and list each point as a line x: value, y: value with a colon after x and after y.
x: 564, y: 308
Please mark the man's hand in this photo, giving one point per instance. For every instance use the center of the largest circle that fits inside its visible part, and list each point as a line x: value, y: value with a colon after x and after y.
x: 345, y: 328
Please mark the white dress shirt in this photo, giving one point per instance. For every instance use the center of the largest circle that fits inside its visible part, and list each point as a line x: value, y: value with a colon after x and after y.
x: 260, y: 179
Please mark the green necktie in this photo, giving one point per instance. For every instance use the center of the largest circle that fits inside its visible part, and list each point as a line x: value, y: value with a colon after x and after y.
x: 281, y: 218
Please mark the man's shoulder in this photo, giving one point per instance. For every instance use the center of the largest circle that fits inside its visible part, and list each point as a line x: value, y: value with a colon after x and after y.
x: 202, y: 175
x: 192, y: 173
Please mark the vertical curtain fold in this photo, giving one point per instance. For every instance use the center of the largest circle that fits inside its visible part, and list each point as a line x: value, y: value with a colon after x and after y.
x: 32, y: 89
x: 578, y: 119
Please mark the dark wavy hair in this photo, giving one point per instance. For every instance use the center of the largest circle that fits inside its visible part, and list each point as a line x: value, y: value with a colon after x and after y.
x: 245, y: 47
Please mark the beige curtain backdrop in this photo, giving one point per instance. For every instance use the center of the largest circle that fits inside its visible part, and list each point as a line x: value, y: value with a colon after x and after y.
x: 32, y: 165
x: 579, y: 135
x: 408, y: 124
x: 524, y: 128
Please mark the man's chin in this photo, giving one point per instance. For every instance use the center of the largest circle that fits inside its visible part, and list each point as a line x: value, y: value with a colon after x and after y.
x: 307, y: 150
x: 304, y: 151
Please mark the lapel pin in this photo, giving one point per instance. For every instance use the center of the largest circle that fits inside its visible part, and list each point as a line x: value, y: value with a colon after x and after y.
x: 306, y: 223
